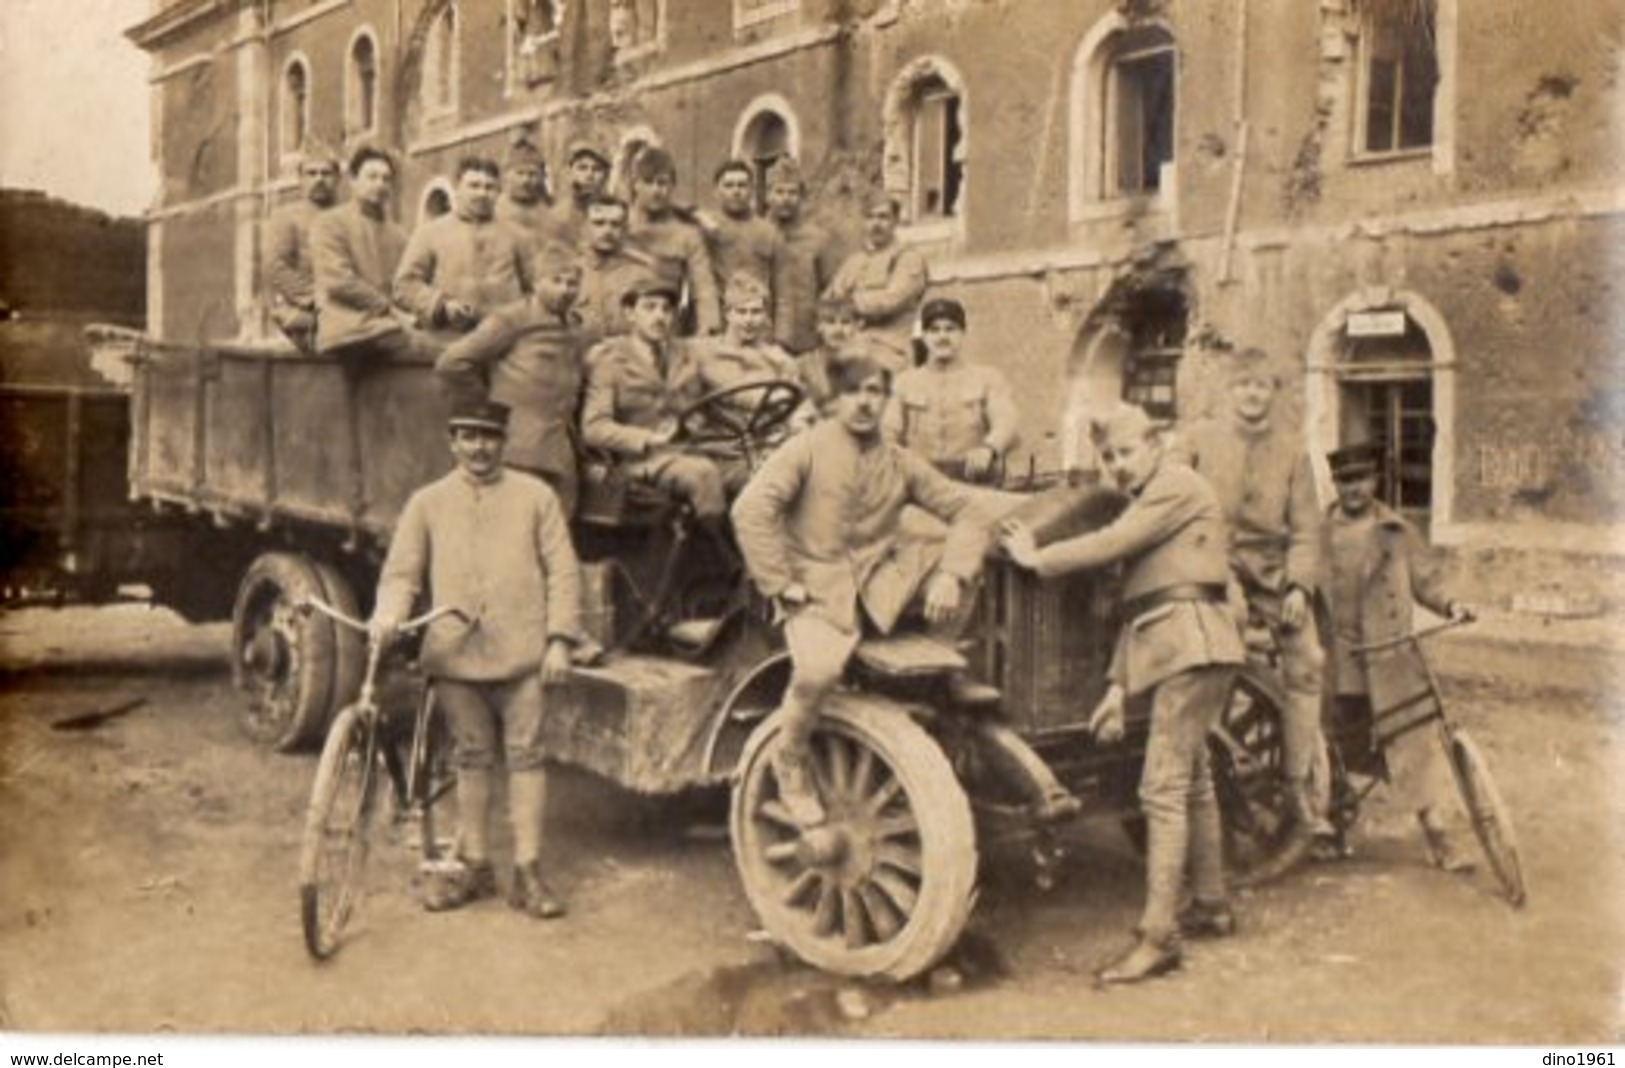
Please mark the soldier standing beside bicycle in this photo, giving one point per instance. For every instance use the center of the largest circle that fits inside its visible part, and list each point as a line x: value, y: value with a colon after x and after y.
x: 1260, y: 471
x: 1178, y: 647
x: 1373, y: 582
x: 494, y: 543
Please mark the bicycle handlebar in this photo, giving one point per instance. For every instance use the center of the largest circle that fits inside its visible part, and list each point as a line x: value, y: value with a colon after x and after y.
x: 1414, y: 636
x: 410, y: 625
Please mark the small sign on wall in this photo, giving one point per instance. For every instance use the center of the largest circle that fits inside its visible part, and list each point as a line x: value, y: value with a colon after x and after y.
x: 1376, y: 324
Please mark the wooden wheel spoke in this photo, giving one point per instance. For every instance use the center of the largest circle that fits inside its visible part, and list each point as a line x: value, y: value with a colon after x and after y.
x: 888, y: 792
x: 863, y: 772
x: 838, y: 767
x: 897, y: 890
x: 852, y: 916
x: 906, y: 861
x: 883, y: 915
x: 779, y: 852
x: 797, y: 891
x: 775, y: 812
x: 897, y: 826
x: 826, y: 913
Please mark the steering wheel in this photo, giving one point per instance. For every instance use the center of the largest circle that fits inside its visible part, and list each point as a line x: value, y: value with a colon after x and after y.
x: 743, y: 416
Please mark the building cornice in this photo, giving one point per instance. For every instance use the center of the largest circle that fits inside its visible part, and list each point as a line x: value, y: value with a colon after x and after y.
x: 176, y: 19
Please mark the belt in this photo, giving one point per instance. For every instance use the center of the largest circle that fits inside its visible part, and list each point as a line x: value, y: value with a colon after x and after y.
x: 1211, y: 592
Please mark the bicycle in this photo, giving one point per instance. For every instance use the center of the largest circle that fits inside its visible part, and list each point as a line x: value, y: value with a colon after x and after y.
x: 1355, y: 754
x: 343, y: 799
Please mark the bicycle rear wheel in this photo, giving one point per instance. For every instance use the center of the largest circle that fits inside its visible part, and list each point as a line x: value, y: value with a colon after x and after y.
x: 1492, y: 822
x: 338, y: 825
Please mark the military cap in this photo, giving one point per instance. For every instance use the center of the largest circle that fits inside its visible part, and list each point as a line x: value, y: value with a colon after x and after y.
x: 785, y: 172
x: 1354, y: 461
x: 582, y: 147
x: 315, y: 151
x: 877, y: 199
x: 556, y: 256
x: 942, y: 308
x: 653, y: 282
x: 744, y: 288
x: 479, y: 415
x: 654, y: 162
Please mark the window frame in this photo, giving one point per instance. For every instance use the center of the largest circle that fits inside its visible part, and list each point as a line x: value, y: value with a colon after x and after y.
x: 518, y: 79
x: 353, y: 87
x: 1366, y: 31
x: 647, y: 44
x: 442, y: 66
x: 900, y: 168
x: 1093, y: 145
x: 293, y: 128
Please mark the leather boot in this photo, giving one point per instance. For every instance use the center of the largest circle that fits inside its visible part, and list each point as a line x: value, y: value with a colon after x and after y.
x: 459, y: 884
x: 797, y: 788
x: 1203, y: 919
x: 1146, y: 960
x: 531, y: 895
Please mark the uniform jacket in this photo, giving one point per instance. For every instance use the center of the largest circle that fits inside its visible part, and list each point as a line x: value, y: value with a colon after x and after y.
x: 535, y: 220
x: 1171, y: 534
x: 631, y: 391
x: 942, y: 414
x: 356, y: 257
x: 806, y: 266
x: 670, y: 240
x: 501, y: 552
x: 530, y: 359
x: 749, y: 245
x: 288, y: 264
x: 1391, y: 573
x: 886, y: 286
x: 604, y: 281
x: 567, y: 222
x: 824, y: 511
x: 1267, y: 489
x: 485, y: 264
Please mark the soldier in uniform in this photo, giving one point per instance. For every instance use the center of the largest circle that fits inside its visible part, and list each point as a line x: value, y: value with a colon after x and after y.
x: 494, y: 543
x: 608, y: 268
x: 289, y: 270
x: 524, y: 202
x: 960, y: 416
x: 1260, y: 470
x: 462, y: 265
x: 1377, y: 568
x: 884, y: 281
x: 807, y: 259
x: 820, y: 526
x: 588, y: 170
x: 528, y: 355
x: 1178, y: 649
x: 355, y: 250
x: 739, y: 241
x: 674, y: 242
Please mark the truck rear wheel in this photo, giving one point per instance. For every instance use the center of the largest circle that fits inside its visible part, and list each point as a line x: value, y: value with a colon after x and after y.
x: 295, y: 668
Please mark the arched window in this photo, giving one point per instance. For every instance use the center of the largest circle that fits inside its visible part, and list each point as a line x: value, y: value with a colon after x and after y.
x: 632, y: 142
x: 1124, y: 91
x: 361, y: 85
x: 436, y: 201
x: 925, y: 141
x: 766, y: 133
x: 295, y: 106
x: 440, y: 63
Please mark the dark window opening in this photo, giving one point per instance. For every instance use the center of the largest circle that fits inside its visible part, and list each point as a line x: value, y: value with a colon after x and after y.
x: 1402, y: 74
x: 1140, y: 93
x: 1387, y: 399
x: 365, y: 60
x: 767, y: 140
x: 1155, y: 322
x: 939, y: 165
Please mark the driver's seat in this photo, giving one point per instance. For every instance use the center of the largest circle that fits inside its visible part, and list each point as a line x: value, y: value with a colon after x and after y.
x: 612, y: 498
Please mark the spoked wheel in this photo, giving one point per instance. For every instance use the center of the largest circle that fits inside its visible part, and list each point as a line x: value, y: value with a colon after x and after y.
x: 883, y: 887
x: 1492, y: 822
x: 294, y: 667
x: 338, y: 825
x: 1248, y: 750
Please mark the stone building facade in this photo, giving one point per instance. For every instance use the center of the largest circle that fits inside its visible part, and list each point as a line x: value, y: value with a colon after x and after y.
x: 1417, y: 205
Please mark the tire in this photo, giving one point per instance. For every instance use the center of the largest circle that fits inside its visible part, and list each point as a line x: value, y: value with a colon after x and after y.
x: 1492, y: 821
x: 288, y: 663
x: 1262, y: 837
x: 338, y: 828
x: 350, y: 646
x: 882, y: 888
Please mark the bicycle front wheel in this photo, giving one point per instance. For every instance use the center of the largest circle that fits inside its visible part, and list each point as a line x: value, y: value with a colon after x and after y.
x: 333, y: 853
x: 1492, y: 822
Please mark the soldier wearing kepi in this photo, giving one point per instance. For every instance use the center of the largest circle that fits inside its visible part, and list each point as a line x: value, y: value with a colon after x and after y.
x: 1377, y: 570
x: 1179, y: 647
x: 1260, y: 470
x: 494, y: 543
x: 290, y: 271
x: 960, y: 416
x: 524, y: 202
x: 528, y: 355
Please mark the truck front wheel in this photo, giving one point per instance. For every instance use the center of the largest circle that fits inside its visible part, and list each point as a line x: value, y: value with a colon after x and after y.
x: 294, y: 668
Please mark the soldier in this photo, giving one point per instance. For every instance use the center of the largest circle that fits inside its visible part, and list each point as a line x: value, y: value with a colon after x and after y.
x: 959, y: 416
x: 528, y: 355
x: 1178, y: 646
x: 738, y: 240
x: 608, y: 269
x: 356, y: 249
x: 884, y: 281
x: 838, y: 328
x: 289, y: 271
x: 588, y: 171
x: 637, y: 383
x: 494, y: 543
x: 1260, y: 471
x: 463, y: 264
x: 659, y: 231
x: 1376, y: 570
x: 820, y: 528
x: 807, y: 260
x: 524, y: 203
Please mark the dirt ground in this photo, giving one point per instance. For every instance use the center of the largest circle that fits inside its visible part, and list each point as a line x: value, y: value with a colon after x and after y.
x: 147, y: 883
